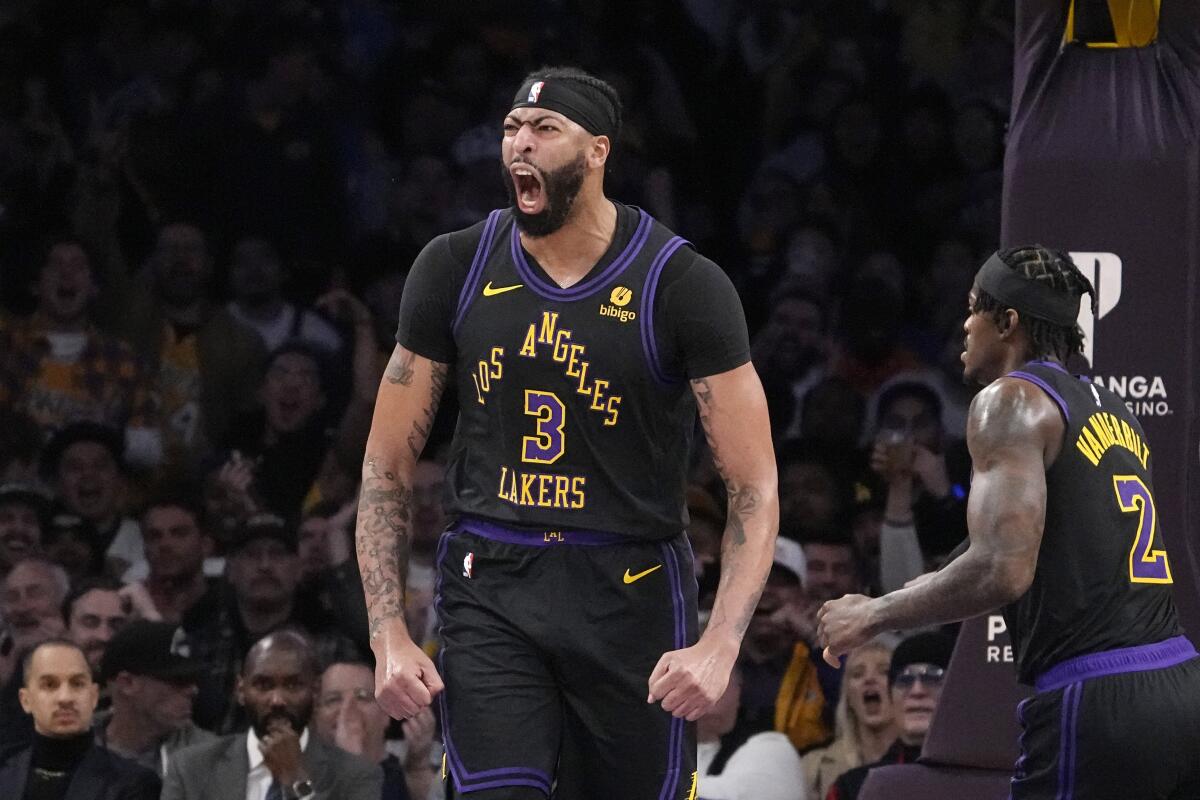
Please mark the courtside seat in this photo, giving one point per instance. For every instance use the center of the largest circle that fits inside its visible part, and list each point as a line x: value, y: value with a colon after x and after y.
x: 972, y: 742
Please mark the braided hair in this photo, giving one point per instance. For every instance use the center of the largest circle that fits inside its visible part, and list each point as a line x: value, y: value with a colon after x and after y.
x: 1052, y: 268
x: 585, y: 78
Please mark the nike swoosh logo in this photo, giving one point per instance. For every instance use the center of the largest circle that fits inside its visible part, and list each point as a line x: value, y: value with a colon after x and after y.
x: 488, y: 291
x: 631, y: 578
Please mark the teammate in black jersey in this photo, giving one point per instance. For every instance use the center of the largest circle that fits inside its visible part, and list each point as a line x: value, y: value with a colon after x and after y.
x: 1064, y: 535
x: 584, y: 336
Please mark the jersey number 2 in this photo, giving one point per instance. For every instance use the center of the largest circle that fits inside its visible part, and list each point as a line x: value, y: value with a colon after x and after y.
x: 1146, y: 565
x: 548, y: 444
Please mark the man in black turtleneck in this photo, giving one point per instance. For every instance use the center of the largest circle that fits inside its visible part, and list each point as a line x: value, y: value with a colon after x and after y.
x: 64, y: 763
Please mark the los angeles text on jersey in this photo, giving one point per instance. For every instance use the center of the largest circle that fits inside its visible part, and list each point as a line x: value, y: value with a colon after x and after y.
x: 546, y: 339
x: 1104, y: 430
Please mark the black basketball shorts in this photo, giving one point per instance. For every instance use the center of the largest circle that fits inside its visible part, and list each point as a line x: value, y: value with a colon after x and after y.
x: 1119, y: 725
x: 548, y: 639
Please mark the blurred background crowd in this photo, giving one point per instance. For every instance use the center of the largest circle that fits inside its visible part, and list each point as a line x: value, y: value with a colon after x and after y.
x: 207, y: 211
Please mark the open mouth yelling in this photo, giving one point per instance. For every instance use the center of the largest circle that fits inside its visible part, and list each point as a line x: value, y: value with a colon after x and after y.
x: 872, y: 702
x: 530, y: 189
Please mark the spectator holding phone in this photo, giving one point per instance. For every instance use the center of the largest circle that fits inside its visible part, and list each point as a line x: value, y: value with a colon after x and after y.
x: 926, y: 475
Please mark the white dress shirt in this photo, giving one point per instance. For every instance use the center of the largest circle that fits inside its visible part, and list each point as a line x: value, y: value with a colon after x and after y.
x: 258, y: 781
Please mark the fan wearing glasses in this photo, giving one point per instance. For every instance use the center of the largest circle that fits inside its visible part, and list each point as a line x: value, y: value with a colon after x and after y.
x: 915, y: 681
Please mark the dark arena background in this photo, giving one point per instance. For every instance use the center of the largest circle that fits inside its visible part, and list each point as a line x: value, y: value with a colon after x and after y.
x: 208, y: 210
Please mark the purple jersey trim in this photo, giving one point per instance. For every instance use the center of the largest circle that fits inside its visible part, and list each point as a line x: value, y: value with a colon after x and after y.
x: 649, y: 344
x: 540, y: 537
x: 464, y: 780
x: 1045, y: 387
x: 587, y: 287
x: 1051, y: 365
x: 1166, y: 653
x: 476, y: 272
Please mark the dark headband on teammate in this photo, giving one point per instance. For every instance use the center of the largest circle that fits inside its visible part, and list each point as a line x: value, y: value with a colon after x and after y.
x: 579, y: 102
x: 1030, y: 297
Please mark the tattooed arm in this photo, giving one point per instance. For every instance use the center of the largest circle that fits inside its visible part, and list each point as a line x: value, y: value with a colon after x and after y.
x: 733, y: 411
x: 1014, y: 432
x: 405, y: 678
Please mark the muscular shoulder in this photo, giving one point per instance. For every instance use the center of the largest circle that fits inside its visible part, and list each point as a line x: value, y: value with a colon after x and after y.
x: 1011, y: 412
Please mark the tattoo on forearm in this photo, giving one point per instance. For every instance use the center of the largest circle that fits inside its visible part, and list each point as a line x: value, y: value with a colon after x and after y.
x: 384, y: 516
x: 385, y: 508
x: 743, y: 504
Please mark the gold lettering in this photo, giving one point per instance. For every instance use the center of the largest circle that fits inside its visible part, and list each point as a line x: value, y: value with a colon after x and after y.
x: 561, y: 345
x: 572, y: 369
x: 1087, y: 451
x: 478, y: 392
x: 561, y: 487
x: 1115, y: 425
x: 577, y: 497
x: 613, y: 411
x: 528, y: 349
x: 527, y: 480
x: 544, y: 486
x: 503, y: 474
x: 598, y: 387
x: 1130, y: 436
x: 1093, y: 443
x: 1145, y: 456
x: 549, y: 323
x: 483, y: 382
x: 497, y: 367
x: 583, y: 368
x: 1099, y: 425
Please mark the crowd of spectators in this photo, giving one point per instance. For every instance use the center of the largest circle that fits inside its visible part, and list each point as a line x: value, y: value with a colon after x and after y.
x: 207, y: 210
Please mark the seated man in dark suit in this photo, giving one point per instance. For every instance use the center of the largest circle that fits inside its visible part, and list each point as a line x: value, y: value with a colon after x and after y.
x: 278, y: 758
x: 64, y: 763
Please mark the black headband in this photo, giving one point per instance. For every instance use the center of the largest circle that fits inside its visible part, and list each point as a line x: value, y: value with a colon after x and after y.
x: 577, y: 101
x: 1029, y: 297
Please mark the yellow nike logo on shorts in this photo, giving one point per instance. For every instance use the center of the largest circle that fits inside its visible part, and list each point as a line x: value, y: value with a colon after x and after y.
x: 488, y: 291
x: 631, y: 578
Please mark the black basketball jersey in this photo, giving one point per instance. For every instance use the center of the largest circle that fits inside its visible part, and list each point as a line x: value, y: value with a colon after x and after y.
x: 573, y: 410
x: 1103, y: 579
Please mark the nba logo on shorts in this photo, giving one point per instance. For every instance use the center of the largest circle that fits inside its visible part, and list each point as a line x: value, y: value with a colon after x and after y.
x: 468, y: 564
x: 535, y: 92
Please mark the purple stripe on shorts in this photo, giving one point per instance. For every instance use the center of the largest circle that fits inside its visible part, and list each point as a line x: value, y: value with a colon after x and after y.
x: 540, y: 537
x: 675, y: 745
x: 460, y: 774
x: 1166, y: 653
x: 581, y: 290
x: 476, y: 272
x: 1045, y: 387
x: 649, y: 344
x: 1068, y: 741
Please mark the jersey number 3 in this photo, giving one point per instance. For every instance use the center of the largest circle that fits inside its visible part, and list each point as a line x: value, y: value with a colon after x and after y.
x: 1146, y: 565
x: 548, y: 444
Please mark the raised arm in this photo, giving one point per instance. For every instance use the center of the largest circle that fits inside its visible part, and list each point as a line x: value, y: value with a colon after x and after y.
x: 733, y: 411
x: 1013, y: 432
x: 409, y: 393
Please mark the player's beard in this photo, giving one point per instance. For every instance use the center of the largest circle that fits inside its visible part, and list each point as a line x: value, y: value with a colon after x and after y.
x: 561, y: 187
